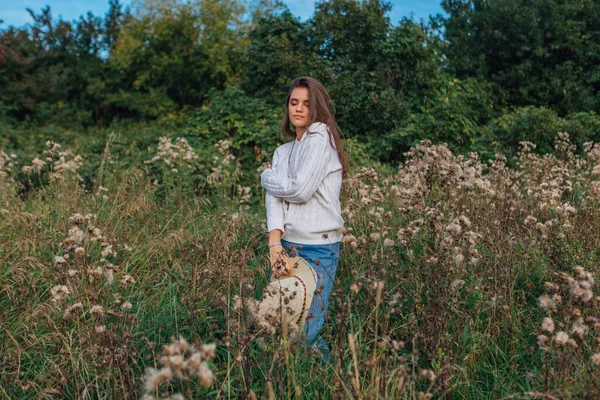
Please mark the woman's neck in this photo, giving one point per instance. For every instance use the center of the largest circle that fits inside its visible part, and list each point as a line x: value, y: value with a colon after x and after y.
x: 300, y: 133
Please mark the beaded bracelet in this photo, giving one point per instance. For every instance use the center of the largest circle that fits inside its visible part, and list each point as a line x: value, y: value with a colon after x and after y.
x: 274, y: 244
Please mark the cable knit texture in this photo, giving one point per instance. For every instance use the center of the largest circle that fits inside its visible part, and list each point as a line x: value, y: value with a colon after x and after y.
x: 303, y: 189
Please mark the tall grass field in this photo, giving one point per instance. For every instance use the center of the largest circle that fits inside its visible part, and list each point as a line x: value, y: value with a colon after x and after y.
x: 127, y: 271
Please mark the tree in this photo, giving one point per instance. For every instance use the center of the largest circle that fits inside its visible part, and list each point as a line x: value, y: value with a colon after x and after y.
x: 223, y: 35
x: 348, y: 33
x: 113, y: 22
x: 279, y: 51
x: 379, y: 74
x: 539, y: 52
x: 169, y: 54
x: 46, y: 68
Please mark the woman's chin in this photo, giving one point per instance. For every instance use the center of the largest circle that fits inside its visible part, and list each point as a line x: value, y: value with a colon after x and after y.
x: 299, y: 126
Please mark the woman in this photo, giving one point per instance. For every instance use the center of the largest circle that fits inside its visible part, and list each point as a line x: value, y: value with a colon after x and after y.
x: 303, y: 194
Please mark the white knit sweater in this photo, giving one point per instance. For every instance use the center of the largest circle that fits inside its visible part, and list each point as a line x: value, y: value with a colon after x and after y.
x: 303, y: 189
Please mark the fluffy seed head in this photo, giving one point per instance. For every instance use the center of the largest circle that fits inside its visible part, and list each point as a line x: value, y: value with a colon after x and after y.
x: 548, y: 325
x: 561, y: 338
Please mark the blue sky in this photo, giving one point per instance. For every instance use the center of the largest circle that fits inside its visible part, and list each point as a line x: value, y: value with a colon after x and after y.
x: 13, y: 12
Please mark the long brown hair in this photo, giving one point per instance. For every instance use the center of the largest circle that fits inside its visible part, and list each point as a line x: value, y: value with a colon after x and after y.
x: 319, y: 110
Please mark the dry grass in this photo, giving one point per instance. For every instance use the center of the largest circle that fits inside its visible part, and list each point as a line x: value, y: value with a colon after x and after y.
x: 457, y: 278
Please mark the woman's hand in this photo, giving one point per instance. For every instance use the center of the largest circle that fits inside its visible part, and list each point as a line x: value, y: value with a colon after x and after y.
x: 280, y: 264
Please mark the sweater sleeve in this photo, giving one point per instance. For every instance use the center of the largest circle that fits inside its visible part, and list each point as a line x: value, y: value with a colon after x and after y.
x: 310, y: 175
x: 275, y: 213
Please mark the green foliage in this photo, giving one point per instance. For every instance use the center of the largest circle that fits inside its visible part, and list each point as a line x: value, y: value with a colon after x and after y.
x: 582, y: 127
x: 375, y: 73
x: 379, y: 73
x: 538, y: 125
x: 135, y: 84
x: 48, y: 66
x: 392, y: 85
x: 454, y: 114
x: 347, y: 32
x: 532, y: 124
x: 143, y: 65
x: 359, y: 153
x: 543, y: 53
x: 252, y: 126
x: 4, y: 114
x: 223, y: 37
x: 160, y: 61
x: 279, y: 51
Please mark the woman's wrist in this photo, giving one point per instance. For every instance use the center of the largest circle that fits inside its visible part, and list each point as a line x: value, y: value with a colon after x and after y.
x: 275, y: 238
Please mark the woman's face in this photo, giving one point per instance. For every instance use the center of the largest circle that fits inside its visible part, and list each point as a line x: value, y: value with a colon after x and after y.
x: 298, y: 108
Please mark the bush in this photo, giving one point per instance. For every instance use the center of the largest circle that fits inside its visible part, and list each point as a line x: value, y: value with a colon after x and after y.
x: 4, y: 118
x: 454, y: 114
x: 538, y: 125
x: 251, y: 125
x: 582, y: 127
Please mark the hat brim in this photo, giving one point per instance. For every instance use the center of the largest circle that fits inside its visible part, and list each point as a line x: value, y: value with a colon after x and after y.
x: 287, y: 298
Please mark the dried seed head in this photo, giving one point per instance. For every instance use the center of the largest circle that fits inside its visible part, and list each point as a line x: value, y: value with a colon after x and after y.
x: 97, y: 309
x: 546, y: 302
x: 561, y: 338
x: 548, y: 325
x: 59, y: 292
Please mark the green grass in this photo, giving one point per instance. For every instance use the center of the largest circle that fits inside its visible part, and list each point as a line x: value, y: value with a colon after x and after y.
x: 193, y: 250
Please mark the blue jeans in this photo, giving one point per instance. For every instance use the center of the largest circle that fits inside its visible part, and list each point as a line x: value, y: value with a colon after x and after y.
x: 324, y: 259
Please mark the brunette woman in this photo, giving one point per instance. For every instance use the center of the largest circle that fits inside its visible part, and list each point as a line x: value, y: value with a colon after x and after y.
x: 303, y: 195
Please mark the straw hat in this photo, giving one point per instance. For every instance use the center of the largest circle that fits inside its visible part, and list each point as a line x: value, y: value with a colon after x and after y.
x: 287, y: 299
